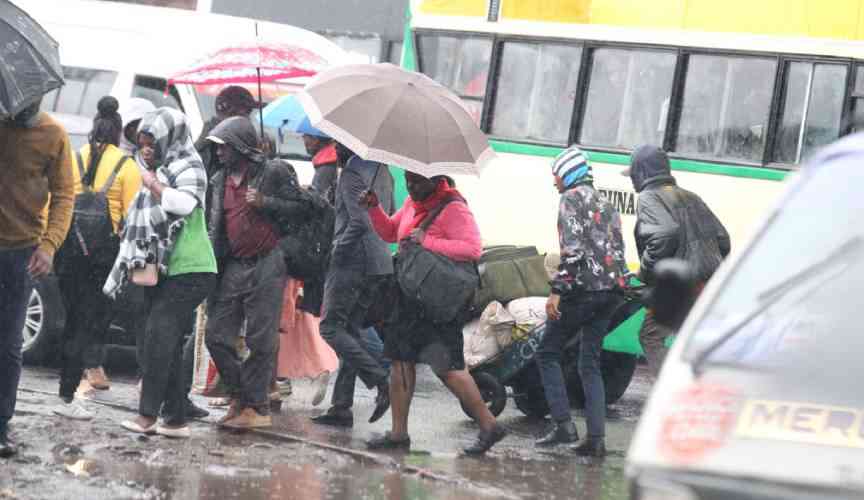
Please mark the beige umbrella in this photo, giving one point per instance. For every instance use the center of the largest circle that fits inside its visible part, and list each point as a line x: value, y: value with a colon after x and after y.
x: 384, y: 113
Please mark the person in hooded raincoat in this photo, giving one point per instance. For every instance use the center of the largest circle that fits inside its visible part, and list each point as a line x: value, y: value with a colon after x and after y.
x: 671, y: 222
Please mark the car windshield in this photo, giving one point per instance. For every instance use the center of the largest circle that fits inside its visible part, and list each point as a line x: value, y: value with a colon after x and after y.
x: 780, y: 324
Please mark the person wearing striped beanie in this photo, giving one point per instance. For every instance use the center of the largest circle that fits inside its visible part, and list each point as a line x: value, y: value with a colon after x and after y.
x: 592, y: 267
x: 571, y: 168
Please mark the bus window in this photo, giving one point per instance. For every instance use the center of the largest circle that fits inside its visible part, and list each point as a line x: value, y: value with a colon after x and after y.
x: 812, y: 110
x: 536, y: 91
x: 153, y: 89
x: 628, y: 97
x: 858, y: 101
x: 726, y: 106
x: 460, y: 64
x: 82, y: 91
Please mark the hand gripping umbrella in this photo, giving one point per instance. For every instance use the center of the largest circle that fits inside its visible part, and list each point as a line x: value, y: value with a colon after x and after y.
x: 384, y: 113
x: 29, y: 60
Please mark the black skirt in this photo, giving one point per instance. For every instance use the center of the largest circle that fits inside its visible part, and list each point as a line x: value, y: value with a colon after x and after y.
x: 411, y: 338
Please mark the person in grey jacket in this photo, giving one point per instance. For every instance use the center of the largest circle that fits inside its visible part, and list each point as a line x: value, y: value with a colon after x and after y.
x: 360, y: 262
x: 671, y: 222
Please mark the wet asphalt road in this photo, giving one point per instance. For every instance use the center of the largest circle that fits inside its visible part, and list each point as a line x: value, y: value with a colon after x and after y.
x: 298, y: 459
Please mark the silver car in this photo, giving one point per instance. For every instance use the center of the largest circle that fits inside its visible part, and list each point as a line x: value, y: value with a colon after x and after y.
x: 759, y: 398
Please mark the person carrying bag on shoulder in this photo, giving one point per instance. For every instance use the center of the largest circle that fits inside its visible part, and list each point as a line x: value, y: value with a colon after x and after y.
x: 439, y: 247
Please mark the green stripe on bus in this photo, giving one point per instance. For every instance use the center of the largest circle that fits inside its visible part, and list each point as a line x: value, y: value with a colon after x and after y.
x: 624, y: 159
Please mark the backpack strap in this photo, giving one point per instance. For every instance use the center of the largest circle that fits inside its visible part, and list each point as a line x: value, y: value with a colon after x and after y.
x: 114, y: 173
x: 80, y: 162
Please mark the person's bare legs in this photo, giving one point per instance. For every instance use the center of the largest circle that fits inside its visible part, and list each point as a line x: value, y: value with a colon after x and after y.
x: 462, y: 385
x: 403, y: 377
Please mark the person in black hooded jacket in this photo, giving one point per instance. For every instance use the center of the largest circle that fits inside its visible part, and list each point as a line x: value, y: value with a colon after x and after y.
x: 671, y: 222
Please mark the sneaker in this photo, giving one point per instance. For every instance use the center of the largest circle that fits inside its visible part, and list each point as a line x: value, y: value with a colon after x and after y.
x: 249, y: 418
x: 97, y: 379
x: 591, y: 448
x: 73, y: 411
x: 132, y: 426
x: 7, y: 447
x: 486, y: 440
x: 561, y: 433
x: 321, y: 382
x: 174, y: 432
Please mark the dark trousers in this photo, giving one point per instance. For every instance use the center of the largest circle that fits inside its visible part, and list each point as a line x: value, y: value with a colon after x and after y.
x: 15, y: 289
x: 348, y: 293
x: 88, y: 314
x: 588, y: 312
x: 653, y: 337
x: 249, y: 292
x: 94, y: 356
x: 343, y: 388
x: 163, y: 382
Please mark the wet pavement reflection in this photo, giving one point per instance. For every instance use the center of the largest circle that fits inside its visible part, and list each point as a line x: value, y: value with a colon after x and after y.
x: 62, y: 459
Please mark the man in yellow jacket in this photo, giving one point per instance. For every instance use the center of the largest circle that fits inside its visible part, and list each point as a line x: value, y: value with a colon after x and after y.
x: 35, y: 171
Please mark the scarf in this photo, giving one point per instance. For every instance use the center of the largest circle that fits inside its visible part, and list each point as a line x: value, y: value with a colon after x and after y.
x: 150, y: 232
x: 422, y: 208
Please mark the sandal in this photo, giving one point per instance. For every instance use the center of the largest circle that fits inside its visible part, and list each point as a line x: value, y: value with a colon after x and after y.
x: 386, y: 442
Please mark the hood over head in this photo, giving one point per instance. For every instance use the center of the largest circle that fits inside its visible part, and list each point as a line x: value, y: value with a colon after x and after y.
x: 572, y: 167
x: 132, y: 109
x: 649, y: 163
x: 239, y: 133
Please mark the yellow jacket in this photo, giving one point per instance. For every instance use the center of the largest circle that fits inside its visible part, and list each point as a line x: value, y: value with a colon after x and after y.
x: 125, y: 186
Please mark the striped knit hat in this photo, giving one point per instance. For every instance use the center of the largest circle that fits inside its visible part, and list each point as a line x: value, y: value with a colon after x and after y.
x: 572, y: 167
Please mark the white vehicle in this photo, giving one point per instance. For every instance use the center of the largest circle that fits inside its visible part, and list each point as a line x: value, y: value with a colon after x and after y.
x: 124, y: 50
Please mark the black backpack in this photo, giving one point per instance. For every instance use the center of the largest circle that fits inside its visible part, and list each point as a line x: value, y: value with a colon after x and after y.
x: 307, y: 247
x: 91, y: 234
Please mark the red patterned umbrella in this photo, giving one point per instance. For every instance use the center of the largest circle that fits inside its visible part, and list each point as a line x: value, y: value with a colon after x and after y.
x: 252, y: 63
x: 255, y: 62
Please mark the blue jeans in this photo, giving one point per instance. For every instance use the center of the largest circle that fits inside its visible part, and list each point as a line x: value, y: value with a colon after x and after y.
x: 15, y: 289
x: 588, y: 312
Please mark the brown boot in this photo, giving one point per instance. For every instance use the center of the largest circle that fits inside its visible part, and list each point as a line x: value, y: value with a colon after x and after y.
x: 97, y: 379
x: 233, y: 412
x: 249, y: 419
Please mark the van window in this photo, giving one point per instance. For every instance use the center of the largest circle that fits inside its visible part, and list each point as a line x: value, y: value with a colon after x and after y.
x: 536, y: 91
x: 82, y: 91
x: 460, y: 64
x: 628, y: 97
x: 812, y: 110
x: 153, y: 89
x: 726, y: 106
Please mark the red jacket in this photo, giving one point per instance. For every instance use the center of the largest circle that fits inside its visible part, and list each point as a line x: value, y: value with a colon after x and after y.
x: 454, y: 233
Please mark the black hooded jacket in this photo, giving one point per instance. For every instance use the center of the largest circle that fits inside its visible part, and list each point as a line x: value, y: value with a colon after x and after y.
x: 671, y: 221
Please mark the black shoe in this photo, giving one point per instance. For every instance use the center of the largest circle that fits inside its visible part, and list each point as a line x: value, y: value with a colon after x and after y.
x: 591, y: 448
x: 7, y: 447
x: 386, y: 442
x: 195, y: 412
x: 486, y: 440
x: 382, y: 402
x: 561, y: 433
x: 336, y: 418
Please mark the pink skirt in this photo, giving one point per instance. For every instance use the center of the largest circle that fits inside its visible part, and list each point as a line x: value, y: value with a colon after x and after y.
x: 302, y: 351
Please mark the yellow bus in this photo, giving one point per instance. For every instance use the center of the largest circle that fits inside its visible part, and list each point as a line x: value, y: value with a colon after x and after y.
x: 738, y: 100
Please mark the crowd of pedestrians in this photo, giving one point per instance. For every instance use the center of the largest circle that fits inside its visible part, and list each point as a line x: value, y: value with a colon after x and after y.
x: 145, y: 216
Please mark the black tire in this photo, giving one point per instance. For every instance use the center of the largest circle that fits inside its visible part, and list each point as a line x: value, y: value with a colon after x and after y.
x: 493, y: 391
x: 617, y: 368
x: 528, y: 393
x: 45, y: 319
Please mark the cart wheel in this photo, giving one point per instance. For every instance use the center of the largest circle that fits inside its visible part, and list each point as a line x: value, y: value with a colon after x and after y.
x: 493, y: 392
x: 532, y: 405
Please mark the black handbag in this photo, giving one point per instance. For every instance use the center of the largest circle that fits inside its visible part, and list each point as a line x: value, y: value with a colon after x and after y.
x: 442, y: 287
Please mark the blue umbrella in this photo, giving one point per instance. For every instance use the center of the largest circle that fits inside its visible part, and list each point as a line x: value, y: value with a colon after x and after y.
x: 286, y: 113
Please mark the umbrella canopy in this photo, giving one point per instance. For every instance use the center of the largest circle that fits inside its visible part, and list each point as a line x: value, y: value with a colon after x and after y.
x: 253, y: 62
x: 384, y: 113
x: 288, y: 113
x: 29, y: 60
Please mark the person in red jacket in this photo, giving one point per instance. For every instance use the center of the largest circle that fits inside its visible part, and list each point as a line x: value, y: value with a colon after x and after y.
x: 412, y: 339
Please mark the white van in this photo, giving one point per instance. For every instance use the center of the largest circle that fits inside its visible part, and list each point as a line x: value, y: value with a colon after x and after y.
x: 124, y: 50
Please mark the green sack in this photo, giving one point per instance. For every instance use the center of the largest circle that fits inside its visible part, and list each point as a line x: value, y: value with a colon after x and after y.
x: 508, y: 279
